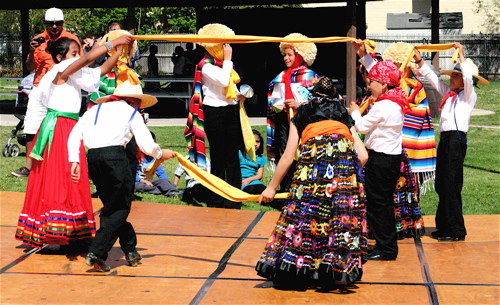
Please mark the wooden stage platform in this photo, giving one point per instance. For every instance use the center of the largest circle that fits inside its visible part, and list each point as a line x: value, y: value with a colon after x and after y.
x: 196, y: 255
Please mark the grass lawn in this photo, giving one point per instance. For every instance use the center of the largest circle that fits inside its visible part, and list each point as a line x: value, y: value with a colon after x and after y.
x: 481, y: 170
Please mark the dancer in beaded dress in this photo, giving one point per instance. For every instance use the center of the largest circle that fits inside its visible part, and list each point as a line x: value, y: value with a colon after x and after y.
x: 320, y: 236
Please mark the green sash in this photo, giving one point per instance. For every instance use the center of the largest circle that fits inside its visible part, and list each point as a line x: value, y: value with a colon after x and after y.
x: 46, y: 131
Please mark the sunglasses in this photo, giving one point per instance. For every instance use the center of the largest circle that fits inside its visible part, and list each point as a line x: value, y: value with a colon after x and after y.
x: 52, y: 23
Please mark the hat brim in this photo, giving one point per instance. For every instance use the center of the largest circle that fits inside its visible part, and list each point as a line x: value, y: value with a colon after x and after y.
x: 146, y: 99
x: 481, y: 80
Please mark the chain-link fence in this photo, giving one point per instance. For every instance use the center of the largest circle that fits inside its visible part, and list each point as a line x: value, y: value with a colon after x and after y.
x: 484, y: 50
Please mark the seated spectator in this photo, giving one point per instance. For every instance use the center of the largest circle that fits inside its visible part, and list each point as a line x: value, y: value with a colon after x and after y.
x: 194, y: 190
x: 160, y: 186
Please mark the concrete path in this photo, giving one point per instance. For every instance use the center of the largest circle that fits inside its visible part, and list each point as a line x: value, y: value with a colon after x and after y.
x: 11, y: 120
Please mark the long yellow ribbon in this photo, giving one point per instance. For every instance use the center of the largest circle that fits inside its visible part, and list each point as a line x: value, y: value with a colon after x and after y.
x: 369, y: 44
x: 213, y: 183
x: 246, y: 129
x: 430, y: 48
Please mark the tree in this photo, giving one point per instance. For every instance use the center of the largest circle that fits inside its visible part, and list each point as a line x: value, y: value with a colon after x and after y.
x: 491, y: 10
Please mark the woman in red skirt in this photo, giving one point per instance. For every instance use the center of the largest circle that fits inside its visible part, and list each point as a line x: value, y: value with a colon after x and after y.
x: 57, y: 210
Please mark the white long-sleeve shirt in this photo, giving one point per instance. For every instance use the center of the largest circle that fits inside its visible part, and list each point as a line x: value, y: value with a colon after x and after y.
x: 214, y: 81
x: 383, y: 126
x: 113, y: 127
x: 66, y: 97
x: 454, y: 116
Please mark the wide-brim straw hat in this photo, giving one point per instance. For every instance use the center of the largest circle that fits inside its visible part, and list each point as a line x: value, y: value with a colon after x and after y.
x: 128, y: 90
x: 307, y: 50
x: 474, y: 68
x: 214, y: 29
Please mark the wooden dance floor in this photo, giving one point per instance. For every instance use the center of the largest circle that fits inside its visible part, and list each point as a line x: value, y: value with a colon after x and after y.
x: 196, y: 255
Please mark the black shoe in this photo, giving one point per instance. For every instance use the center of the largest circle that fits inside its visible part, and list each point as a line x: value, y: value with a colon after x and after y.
x: 377, y: 256
x: 22, y: 172
x: 133, y: 258
x: 437, y: 234
x: 232, y: 205
x: 175, y: 194
x: 451, y: 238
x: 98, y: 264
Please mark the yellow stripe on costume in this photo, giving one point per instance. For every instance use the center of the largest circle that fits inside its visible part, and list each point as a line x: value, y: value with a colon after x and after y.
x: 421, y: 154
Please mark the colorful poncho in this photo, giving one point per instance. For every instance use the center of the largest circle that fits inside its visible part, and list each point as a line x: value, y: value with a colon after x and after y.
x: 195, y: 127
x: 418, y: 133
x: 302, y: 75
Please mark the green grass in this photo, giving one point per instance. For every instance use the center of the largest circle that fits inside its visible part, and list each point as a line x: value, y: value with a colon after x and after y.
x: 481, y: 170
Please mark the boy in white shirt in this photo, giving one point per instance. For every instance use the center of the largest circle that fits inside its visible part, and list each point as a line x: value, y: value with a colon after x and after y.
x: 456, y: 107
x: 105, y: 130
x: 383, y: 127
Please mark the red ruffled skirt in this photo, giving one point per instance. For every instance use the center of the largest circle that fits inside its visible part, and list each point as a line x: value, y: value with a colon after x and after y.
x: 56, y: 210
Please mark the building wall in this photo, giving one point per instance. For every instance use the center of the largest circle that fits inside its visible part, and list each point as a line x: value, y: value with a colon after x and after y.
x: 376, y: 13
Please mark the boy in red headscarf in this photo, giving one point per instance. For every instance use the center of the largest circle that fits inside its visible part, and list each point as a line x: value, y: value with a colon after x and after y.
x: 383, y: 127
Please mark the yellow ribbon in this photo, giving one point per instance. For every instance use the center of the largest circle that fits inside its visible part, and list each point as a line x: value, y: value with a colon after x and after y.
x: 218, y: 53
x: 126, y: 74
x: 124, y: 71
x: 246, y: 129
x: 214, y: 183
x: 369, y: 44
x: 430, y: 48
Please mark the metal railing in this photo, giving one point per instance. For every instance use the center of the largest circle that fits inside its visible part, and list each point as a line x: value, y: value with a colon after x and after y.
x: 483, y: 49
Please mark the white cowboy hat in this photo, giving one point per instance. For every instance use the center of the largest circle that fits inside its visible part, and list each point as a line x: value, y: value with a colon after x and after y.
x: 475, y: 72
x: 128, y: 90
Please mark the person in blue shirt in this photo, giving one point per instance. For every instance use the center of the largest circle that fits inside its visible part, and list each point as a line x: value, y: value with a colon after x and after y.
x: 252, y: 171
x: 160, y: 186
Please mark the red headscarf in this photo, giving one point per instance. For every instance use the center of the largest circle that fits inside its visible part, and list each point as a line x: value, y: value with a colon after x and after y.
x: 299, y: 61
x: 387, y: 72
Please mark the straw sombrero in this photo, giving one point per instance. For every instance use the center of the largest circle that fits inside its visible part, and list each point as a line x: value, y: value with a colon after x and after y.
x: 398, y: 52
x: 307, y: 50
x: 214, y: 29
x: 128, y: 90
x: 475, y: 72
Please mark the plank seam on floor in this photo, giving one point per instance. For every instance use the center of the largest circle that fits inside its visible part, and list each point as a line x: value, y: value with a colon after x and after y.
x: 241, y: 279
x: 223, y: 262
x: 20, y: 259
x: 191, y: 235
x: 424, y: 267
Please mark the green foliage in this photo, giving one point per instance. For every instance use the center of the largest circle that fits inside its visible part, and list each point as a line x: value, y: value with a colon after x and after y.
x: 490, y: 9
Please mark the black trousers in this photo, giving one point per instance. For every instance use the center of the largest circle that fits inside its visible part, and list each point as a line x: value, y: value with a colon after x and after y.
x: 110, y: 170
x: 223, y: 130
x: 451, y: 153
x: 255, y: 189
x: 381, y: 176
